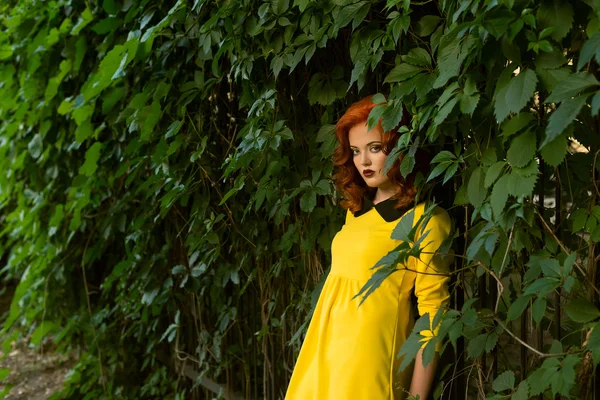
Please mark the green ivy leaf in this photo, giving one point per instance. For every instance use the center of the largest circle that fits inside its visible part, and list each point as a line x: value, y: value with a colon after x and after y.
x: 499, y: 195
x: 445, y: 111
x: 516, y: 309
x: 418, y: 56
x: 572, y: 86
x: 92, y: 155
x: 522, y: 392
x: 520, y: 90
x: 493, y: 172
x: 518, y: 122
x: 557, y: 14
x: 6, y: 51
x: 522, y: 149
x: 476, y: 345
x: 538, y: 309
x: 563, y: 116
x: 4, y: 372
x: 35, y: 146
x: 426, y: 25
x: 476, y: 191
x: 555, y: 152
x: 590, y: 49
x: 596, y: 104
x: 308, y: 201
x: 542, y: 287
x: 519, y: 186
x: 41, y: 331
x: 580, y: 310
x: 501, y: 106
x: 84, y: 19
x: 402, y: 72
x: 504, y: 381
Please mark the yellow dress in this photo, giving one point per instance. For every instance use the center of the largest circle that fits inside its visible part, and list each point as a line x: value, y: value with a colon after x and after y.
x: 349, y: 352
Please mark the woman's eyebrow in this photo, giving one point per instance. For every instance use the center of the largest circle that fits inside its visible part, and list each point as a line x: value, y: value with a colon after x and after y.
x: 370, y: 143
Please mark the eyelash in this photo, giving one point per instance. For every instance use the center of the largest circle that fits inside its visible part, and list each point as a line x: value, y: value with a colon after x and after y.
x: 378, y: 148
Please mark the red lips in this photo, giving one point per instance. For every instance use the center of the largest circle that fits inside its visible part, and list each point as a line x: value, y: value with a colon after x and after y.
x: 368, y: 172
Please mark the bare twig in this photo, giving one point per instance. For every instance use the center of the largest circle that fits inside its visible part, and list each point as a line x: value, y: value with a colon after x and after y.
x: 89, y: 306
x: 539, y: 353
x: 500, y: 287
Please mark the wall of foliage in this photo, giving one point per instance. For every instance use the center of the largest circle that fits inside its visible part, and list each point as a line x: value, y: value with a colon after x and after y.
x: 166, y: 206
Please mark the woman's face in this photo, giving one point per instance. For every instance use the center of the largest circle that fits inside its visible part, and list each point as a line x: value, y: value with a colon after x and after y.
x: 368, y: 155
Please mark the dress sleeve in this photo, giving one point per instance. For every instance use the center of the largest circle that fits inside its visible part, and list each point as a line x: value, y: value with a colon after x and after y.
x: 432, y: 270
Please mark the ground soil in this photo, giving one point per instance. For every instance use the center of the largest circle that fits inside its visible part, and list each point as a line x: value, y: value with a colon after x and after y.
x: 34, y: 375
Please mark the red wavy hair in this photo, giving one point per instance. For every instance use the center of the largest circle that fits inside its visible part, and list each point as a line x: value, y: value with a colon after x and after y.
x: 348, y: 180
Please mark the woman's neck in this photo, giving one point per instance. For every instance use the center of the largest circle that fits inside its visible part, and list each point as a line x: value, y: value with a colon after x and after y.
x: 384, y: 193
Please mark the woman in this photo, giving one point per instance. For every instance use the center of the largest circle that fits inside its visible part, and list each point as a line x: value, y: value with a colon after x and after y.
x: 349, y: 351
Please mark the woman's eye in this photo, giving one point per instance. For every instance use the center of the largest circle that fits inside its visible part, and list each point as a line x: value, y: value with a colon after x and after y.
x: 354, y: 151
x: 375, y: 149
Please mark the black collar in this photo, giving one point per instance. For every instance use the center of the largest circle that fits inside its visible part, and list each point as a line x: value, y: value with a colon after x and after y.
x: 385, y: 208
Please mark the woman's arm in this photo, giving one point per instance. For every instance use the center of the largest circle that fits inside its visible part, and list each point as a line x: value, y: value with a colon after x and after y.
x: 422, y: 376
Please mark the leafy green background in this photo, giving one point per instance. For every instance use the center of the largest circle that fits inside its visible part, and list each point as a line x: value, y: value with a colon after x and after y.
x: 166, y: 203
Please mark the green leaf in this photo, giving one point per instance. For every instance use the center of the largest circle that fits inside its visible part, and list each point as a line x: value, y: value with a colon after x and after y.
x: 542, y: 287
x: 347, y: 13
x: 443, y: 155
x: 426, y: 25
x: 596, y: 104
x: 580, y: 310
x: 504, y: 381
x: 402, y: 231
x: 475, y: 190
x: 92, y: 155
x: 84, y: 131
x: 41, y: 331
x: 445, y: 111
x: 308, y: 201
x: 520, y: 90
x: 572, y: 86
x: 538, y: 309
x: 557, y: 14
x: 522, y: 392
x: 562, y: 117
x: 519, y: 186
x: 109, y: 7
x: 501, y: 106
x: 468, y: 104
x: 491, y: 341
x: 499, y: 195
x: 402, y: 72
x: 590, y: 49
x: 4, y: 372
x: 35, y: 146
x: 516, y: 309
x: 493, y: 173
x: 438, y: 170
x: 476, y: 345
x: 418, y: 56
x: 106, y: 25
x: 555, y: 152
x: 6, y: 51
x: 522, y: 150
x: 537, y: 383
x: 84, y: 19
x: 518, y: 122
x: 391, y: 116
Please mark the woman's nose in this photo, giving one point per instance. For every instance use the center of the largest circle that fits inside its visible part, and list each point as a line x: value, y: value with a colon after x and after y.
x: 365, y: 159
